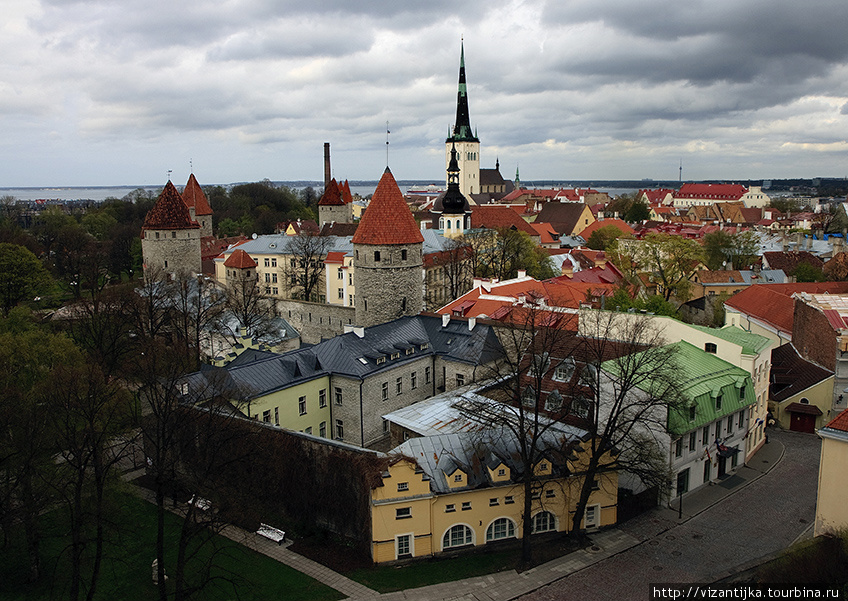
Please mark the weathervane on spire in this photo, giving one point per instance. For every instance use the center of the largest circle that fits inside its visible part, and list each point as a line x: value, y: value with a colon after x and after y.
x: 169, y: 174
x: 387, y: 143
x: 190, y: 166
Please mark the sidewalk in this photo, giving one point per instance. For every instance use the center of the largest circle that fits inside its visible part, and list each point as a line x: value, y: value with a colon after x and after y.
x: 507, y: 585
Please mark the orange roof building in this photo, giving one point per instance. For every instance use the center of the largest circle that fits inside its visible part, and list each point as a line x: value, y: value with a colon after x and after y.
x: 170, y: 238
x: 198, y: 205
x: 332, y: 208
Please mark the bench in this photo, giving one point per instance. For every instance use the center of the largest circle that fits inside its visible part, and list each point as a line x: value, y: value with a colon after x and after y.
x: 199, y: 502
x: 271, y: 533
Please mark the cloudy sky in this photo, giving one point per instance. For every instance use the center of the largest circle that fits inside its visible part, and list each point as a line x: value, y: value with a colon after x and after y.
x: 118, y: 92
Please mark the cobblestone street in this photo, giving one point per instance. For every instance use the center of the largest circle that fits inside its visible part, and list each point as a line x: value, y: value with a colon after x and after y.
x: 765, y: 516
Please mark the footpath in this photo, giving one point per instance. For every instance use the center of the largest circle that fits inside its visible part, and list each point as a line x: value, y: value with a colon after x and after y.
x: 507, y: 585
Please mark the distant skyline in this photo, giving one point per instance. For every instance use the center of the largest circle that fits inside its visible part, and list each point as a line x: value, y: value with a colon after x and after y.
x: 112, y: 93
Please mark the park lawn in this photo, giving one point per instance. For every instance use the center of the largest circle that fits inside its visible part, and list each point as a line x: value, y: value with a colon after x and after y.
x: 126, y: 575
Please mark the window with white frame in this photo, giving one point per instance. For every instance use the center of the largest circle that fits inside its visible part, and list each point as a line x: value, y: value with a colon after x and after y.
x: 339, y: 429
x: 399, y: 385
x: 403, y: 546
x: 457, y: 536
x: 402, y: 513
x: 544, y: 521
x: 301, y: 405
x: 322, y: 398
x: 338, y: 395
x: 384, y: 391
x: 413, y: 380
x: 403, y: 486
x: 500, y: 529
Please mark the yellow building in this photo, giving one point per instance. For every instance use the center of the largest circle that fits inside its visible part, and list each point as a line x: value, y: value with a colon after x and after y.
x: 831, y: 509
x: 338, y: 273
x: 455, y: 491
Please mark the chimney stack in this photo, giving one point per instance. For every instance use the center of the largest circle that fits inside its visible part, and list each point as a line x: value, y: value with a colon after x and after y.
x: 327, y: 172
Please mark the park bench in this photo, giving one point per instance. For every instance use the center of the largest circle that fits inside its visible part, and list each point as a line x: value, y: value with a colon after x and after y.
x: 201, y: 503
x: 271, y: 533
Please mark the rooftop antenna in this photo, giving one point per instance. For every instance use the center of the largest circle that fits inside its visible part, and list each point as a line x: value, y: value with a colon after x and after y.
x: 680, y: 177
x: 387, y: 143
x: 169, y: 174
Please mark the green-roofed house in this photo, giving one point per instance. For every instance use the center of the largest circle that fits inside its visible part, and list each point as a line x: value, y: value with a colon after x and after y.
x: 706, y: 438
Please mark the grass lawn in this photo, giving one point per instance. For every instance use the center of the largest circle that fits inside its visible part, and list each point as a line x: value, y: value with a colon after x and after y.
x: 126, y: 574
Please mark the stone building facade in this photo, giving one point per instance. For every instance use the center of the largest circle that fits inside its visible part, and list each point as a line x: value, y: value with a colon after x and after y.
x: 170, y: 238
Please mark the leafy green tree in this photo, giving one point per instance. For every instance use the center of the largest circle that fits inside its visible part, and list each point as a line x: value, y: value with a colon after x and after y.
x: 671, y: 260
x: 21, y: 275
x: 503, y: 253
x: 603, y: 237
x: 723, y: 250
x: 638, y: 211
x: 807, y: 273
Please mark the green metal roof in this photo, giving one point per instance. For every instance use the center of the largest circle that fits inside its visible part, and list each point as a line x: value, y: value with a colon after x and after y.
x: 704, y: 377
x: 752, y: 344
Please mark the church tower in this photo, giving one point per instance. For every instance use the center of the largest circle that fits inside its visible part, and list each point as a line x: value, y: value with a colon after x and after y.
x: 170, y: 238
x: 387, y: 258
x: 451, y: 212
x: 463, y: 140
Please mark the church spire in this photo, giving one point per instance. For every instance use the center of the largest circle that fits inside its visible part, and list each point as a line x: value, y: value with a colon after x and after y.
x: 462, y: 127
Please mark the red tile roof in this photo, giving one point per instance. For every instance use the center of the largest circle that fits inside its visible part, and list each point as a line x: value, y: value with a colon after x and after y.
x: 495, y: 217
x: 617, y: 223
x: 387, y: 220
x: 239, y: 259
x: 194, y: 197
x: 773, y: 303
x: 169, y: 213
x: 345, y: 190
x: 840, y: 422
x: 332, y: 196
x: 547, y: 234
x: 712, y: 191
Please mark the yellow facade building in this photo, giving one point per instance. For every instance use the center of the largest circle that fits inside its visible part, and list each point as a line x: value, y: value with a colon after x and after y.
x: 831, y: 509
x: 458, y: 491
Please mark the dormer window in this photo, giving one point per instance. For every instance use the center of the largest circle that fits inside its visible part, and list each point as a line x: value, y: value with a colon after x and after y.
x: 395, y: 356
x: 710, y: 347
x: 381, y: 360
x: 692, y: 413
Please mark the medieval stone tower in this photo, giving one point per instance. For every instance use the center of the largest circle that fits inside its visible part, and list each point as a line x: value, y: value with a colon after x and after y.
x: 387, y: 257
x: 170, y: 238
x: 333, y: 206
x: 198, y: 206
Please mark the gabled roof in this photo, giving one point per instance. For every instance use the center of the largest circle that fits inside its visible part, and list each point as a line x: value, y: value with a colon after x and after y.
x: 194, y: 197
x: 789, y: 260
x: 495, y: 217
x: 752, y: 344
x: 563, y: 216
x: 839, y: 423
x: 791, y: 373
x: 332, y: 196
x: 387, y: 220
x: 169, y: 213
x: 344, y: 188
x: 239, y: 260
x: 338, y: 229
x: 711, y: 191
x: 547, y: 234
x: 773, y: 303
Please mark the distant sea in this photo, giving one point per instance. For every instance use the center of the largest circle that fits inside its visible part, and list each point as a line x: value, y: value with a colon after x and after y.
x: 98, y: 193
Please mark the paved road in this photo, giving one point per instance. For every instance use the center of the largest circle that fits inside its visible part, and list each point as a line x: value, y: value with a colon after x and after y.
x: 765, y: 516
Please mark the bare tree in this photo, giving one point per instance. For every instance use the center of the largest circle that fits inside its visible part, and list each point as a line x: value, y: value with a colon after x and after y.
x: 248, y: 311
x: 304, y: 271
x: 198, y: 306
x: 454, y: 265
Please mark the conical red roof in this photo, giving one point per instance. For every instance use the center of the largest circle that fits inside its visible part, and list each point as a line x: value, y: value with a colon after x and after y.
x: 195, y: 198
x: 346, y: 195
x: 239, y: 260
x: 332, y: 196
x: 387, y: 220
x: 169, y: 212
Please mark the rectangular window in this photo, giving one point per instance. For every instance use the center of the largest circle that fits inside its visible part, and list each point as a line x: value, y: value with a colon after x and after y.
x: 339, y: 429
x: 267, y: 277
x: 402, y: 513
x: 403, y: 255
x: 399, y: 386
x: 426, y: 374
x: 678, y: 447
x: 707, y: 467
x: 275, y: 290
x: 502, y: 472
x: 741, y: 420
x: 266, y: 416
x: 277, y: 416
x: 338, y: 394
x: 340, y: 274
x: 308, y: 430
x: 692, y: 413
x: 718, y: 402
x: 460, y: 380
x: 273, y: 278
x: 376, y: 255
x: 322, y: 398
x: 384, y: 391
x: 730, y: 425
x: 403, y: 486
x: 341, y: 294
x: 450, y: 508
x: 457, y: 478
x: 385, y: 426
x: 322, y: 430
x: 692, y: 441
x: 413, y: 380
x: 683, y: 482
x: 466, y: 505
x: 493, y: 502
x: 267, y: 262
x: 301, y: 405
x: 274, y: 262
x: 404, y: 546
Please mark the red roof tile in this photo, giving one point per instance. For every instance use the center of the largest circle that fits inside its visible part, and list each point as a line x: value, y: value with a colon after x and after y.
x: 169, y: 213
x: 840, y: 422
x: 617, y: 223
x: 332, y: 196
x: 495, y: 217
x: 239, y: 260
x: 387, y: 220
x: 773, y: 303
x: 345, y: 190
x: 194, y: 197
x: 712, y: 191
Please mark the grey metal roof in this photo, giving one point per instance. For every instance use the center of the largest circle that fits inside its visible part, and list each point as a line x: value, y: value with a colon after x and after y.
x: 276, y: 244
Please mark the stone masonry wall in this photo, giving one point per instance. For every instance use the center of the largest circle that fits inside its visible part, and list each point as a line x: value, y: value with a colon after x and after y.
x: 315, y: 321
x: 382, y: 286
x: 172, y: 254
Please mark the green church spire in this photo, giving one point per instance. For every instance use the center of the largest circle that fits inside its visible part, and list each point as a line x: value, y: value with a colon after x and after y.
x: 462, y: 127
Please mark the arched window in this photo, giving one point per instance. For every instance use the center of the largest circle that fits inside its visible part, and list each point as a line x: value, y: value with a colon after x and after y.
x: 544, y: 521
x: 499, y: 529
x: 458, y: 536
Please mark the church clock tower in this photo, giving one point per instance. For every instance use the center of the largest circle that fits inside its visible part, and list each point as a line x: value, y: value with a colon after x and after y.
x: 463, y: 140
